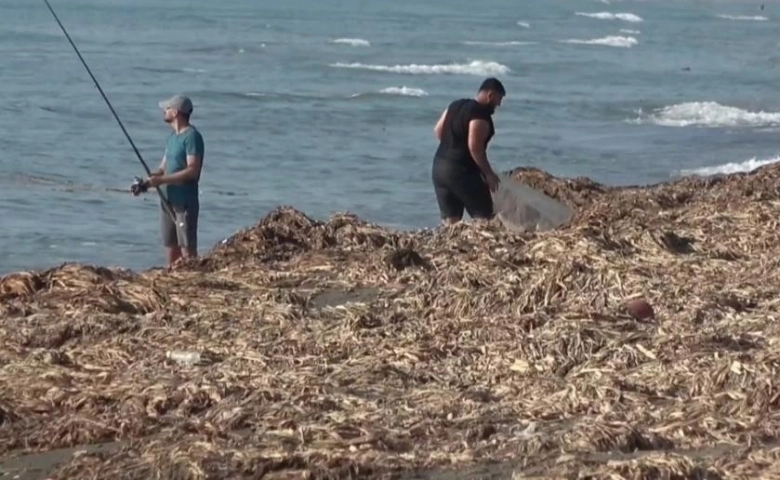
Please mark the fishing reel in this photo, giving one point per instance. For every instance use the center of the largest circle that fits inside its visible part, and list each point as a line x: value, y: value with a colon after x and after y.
x: 139, y: 186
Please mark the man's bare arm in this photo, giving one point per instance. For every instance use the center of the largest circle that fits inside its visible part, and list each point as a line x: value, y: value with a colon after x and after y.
x: 190, y: 172
x: 160, y: 170
x: 440, y: 125
x: 478, y: 133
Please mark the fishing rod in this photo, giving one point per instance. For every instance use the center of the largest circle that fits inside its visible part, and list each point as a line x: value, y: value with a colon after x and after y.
x: 166, y: 205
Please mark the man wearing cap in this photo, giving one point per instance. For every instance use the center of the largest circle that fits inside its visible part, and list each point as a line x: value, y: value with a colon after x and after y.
x: 178, y: 177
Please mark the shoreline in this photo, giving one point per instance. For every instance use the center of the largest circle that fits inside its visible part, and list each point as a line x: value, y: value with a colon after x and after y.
x: 340, y: 348
x: 576, y: 192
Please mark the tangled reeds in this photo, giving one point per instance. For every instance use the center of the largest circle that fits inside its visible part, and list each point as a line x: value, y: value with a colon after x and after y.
x: 340, y: 349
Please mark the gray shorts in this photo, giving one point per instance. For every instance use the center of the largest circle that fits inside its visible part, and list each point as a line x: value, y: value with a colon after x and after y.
x: 185, y: 237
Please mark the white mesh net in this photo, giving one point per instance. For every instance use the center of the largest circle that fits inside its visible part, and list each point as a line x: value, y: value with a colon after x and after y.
x: 522, y: 208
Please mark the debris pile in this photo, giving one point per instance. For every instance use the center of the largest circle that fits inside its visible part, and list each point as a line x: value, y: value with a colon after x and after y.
x: 340, y: 349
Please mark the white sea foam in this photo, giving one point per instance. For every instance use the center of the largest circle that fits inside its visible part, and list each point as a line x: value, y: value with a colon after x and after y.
x: 610, y: 41
x: 626, y: 17
x: 728, y: 168
x: 513, y: 43
x: 523, y: 24
x: 404, y: 91
x: 709, y: 114
x: 355, y: 42
x: 754, y: 18
x: 630, y: 32
x: 476, y: 67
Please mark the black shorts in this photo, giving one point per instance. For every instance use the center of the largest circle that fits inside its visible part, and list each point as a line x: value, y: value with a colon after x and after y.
x: 460, y: 186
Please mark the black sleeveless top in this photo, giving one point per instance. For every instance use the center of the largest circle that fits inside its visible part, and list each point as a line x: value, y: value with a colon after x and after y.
x: 454, y: 144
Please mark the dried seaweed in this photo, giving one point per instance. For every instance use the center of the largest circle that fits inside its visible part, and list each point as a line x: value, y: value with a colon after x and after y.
x: 346, y: 350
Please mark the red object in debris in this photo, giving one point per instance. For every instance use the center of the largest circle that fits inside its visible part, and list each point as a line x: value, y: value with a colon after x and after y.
x: 640, y: 309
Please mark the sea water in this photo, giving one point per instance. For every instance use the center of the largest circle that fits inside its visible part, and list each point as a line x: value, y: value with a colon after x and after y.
x: 330, y: 106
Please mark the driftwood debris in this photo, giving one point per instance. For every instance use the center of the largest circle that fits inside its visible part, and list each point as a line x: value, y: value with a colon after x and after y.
x: 347, y: 350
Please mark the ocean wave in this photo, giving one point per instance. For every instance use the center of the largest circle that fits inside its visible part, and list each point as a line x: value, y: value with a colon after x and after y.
x: 498, y: 44
x: 626, y: 17
x: 229, y: 49
x: 610, y: 41
x: 170, y: 69
x: 630, y: 32
x: 523, y: 24
x: 729, y: 168
x: 709, y: 114
x: 289, y: 97
x: 263, y: 96
x: 355, y: 42
x: 754, y: 18
x: 404, y: 91
x: 476, y: 67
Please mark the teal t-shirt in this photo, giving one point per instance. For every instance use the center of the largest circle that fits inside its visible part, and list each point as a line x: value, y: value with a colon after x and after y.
x: 188, y: 142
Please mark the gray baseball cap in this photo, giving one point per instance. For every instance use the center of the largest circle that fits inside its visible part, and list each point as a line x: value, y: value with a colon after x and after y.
x: 179, y: 102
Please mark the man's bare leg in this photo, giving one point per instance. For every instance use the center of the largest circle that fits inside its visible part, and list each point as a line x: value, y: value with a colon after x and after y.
x: 174, y: 254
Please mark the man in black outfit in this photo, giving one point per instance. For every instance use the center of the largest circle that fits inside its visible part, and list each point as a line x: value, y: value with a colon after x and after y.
x: 462, y: 176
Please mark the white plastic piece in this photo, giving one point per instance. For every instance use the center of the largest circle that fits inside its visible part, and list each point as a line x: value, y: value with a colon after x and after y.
x: 185, y: 358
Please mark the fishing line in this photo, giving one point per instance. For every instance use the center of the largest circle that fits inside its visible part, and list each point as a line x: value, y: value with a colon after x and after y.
x: 166, y: 206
